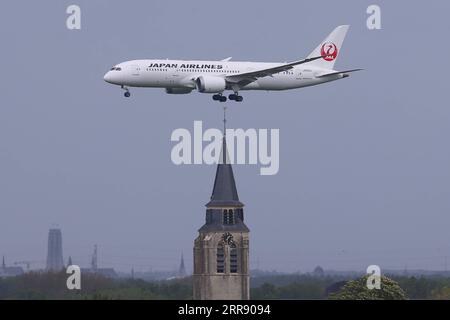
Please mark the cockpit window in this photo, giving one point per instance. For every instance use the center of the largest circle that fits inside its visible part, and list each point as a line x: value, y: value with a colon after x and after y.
x: 113, y: 68
x: 118, y: 69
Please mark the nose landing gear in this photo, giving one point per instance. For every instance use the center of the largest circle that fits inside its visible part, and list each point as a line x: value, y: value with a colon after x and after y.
x: 127, y: 93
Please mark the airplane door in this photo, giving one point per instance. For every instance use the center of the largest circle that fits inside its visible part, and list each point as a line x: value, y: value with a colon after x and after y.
x: 171, y: 76
x: 135, y: 70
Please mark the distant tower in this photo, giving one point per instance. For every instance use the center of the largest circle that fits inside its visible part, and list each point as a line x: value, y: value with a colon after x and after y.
x: 318, y: 271
x: 3, y: 263
x: 94, y: 260
x: 182, y: 269
x: 221, y: 250
x: 69, y: 262
x: 54, y: 252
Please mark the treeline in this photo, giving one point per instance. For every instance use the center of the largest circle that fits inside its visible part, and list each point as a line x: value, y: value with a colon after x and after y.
x: 313, y: 287
x: 53, y: 286
x: 433, y: 287
x: 49, y: 286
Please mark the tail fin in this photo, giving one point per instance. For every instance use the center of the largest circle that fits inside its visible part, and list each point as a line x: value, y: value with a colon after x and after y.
x: 330, y: 48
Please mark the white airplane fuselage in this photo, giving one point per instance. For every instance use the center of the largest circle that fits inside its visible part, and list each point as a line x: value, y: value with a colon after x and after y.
x: 181, y: 74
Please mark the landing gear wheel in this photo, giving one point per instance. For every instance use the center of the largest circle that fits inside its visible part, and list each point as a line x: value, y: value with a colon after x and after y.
x: 236, y: 97
x: 127, y: 92
x: 219, y: 97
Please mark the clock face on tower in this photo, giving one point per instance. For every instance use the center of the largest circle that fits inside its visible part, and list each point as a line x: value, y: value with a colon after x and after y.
x: 227, y: 238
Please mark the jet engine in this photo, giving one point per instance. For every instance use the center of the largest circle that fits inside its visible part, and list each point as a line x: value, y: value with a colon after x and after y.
x: 208, y: 84
x: 178, y: 90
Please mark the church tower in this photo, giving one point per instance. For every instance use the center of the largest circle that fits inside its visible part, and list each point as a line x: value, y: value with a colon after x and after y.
x: 221, y: 250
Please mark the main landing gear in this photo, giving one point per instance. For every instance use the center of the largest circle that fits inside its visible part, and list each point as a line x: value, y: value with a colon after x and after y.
x: 234, y: 96
x: 127, y: 93
x: 219, y: 97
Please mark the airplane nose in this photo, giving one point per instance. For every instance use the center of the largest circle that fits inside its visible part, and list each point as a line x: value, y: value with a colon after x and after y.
x: 107, y: 77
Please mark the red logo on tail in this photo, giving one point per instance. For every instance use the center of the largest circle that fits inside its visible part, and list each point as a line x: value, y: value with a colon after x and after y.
x: 329, y: 51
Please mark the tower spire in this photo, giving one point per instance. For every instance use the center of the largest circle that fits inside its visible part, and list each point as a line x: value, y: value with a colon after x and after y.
x: 182, y: 269
x: 3, y: 263
x: 224, y: 190
x: 94, y: 260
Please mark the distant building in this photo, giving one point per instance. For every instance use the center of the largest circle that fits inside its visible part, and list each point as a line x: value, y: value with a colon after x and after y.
x: 54, y: 251
x: 182, y: 270
x: 9, y: 271
x: 94, y: 259
x: 106, y: 272
x: 221, y: 250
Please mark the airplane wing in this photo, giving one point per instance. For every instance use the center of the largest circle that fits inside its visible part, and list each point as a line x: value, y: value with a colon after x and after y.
x: 338, y: 72
x: 243, y: 79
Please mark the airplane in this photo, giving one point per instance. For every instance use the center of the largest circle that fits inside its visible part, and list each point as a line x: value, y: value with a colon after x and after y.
x: 215, y: 77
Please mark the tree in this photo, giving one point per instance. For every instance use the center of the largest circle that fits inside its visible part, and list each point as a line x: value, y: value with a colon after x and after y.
x: 318, y: 272
x: 357, y: 290
x: 266, y: 291
x: 441, y: 294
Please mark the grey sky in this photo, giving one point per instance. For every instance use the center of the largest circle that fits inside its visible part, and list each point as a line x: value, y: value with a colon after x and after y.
x: 364, y: 162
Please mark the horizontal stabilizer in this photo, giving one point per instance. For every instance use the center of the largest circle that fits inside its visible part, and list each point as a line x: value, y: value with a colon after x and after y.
x: 338, y: 72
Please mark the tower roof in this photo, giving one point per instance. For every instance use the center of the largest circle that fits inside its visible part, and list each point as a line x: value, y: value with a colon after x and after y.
x: 224, y: 192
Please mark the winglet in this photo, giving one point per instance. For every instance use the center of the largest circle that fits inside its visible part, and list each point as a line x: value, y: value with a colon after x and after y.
x: 226, y: 59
